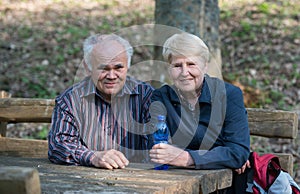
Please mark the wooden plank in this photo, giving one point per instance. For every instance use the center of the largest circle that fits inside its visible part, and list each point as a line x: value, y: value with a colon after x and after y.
x: 26, y: 110
x: 209, y: 184
x: 273, y: 123
x: 267, y: 123
x: 19, y: 180
x: 23, y: 147
x: 136, y: 178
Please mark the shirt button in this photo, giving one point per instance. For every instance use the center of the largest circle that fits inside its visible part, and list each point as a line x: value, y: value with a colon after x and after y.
x: 108, y: 130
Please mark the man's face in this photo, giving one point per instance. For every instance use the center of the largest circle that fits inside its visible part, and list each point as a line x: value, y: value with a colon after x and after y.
x: 109, y: 67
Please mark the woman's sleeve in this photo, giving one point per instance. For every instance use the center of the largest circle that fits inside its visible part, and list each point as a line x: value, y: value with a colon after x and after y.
x: 234, y: 148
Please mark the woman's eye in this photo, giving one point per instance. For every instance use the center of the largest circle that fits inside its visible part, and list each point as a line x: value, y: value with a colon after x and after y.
x: 177, y: 65
x: 191, y: 64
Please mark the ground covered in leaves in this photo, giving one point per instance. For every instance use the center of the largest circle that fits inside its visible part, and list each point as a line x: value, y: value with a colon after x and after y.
x: 41, y: 49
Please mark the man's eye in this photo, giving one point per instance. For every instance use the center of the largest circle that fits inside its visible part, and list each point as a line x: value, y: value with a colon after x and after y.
x: 101, y: 68
x: 119, y: 66
x: 191, y: 64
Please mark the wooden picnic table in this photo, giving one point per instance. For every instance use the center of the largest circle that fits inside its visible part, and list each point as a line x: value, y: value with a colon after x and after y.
x: 136, y: 178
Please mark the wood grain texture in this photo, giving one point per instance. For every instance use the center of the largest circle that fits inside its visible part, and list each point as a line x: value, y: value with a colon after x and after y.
x: 21, y: 180
x: 273, y: 123
x: 23, y: 147
x: 267, y: 123
x: 136, y: 178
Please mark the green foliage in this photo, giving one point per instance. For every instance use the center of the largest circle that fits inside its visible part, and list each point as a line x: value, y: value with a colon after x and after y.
x: 264, y: 7
x: 262, y: 148
x: 25, y: 32
x: 231, y: 76
x: 265, y: 38
x: 43, y: 133
x: 246, y: 31
x: 225, y: 14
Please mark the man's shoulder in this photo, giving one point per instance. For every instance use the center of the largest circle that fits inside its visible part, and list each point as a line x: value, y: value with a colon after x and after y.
x: 76, y: 90
x: 136, y: 84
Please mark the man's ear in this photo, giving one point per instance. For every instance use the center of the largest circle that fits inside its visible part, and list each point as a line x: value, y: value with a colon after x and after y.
x: 86, y: 67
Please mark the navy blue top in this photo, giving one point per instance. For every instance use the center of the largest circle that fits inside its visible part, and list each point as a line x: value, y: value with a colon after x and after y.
x: 215, y: 132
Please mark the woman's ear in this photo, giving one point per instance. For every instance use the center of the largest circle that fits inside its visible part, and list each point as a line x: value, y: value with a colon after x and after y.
x: 205, y: 69
x: 88, y: 69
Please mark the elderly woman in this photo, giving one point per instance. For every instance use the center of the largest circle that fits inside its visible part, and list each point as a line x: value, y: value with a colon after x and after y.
x: 206, y: 116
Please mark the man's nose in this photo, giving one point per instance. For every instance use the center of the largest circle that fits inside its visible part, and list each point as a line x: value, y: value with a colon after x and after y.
x: 111, y: 74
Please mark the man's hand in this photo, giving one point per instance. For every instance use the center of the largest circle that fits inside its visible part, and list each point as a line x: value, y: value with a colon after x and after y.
x: 109, y: 159
x: 243, y: 168
x: 168, y: 154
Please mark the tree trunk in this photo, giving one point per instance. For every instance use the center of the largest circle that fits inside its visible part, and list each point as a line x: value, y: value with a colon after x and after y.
x: 199, y: 17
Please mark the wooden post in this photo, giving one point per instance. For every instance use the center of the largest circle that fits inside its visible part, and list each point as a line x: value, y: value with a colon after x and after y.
x: 3, y: 125
x: 19, y: 180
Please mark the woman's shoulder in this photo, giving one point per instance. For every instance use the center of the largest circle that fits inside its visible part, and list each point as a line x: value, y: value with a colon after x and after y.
x: 218, y: 83
x: 165, y: 89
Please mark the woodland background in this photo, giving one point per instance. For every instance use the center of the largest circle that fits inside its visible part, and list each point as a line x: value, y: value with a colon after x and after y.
x: 41, y: 49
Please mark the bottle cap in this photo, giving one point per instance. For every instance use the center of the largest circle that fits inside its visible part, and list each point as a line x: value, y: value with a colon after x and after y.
x: 161, y: 117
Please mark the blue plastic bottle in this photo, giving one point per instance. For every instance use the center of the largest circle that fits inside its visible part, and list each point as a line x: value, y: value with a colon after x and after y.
x: 161, y: 135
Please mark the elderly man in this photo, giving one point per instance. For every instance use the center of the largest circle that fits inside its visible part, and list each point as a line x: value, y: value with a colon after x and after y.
x: 100, y: 121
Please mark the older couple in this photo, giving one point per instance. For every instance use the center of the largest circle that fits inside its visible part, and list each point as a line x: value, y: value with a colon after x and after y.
x: 105, y: 119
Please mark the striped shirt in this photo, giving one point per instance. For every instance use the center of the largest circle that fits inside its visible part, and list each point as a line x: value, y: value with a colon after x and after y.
x: 82, y: 123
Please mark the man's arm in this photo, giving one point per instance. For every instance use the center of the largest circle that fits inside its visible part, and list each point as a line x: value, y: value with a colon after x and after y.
x: 65, y: 144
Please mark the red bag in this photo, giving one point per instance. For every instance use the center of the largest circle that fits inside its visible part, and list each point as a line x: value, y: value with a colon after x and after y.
x: 269, y: 177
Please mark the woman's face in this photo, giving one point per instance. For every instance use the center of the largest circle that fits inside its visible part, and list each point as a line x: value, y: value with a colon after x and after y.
x: 187, y: 73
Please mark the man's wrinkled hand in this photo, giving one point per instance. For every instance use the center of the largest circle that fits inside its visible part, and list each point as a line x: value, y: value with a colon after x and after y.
x: 109, y: 159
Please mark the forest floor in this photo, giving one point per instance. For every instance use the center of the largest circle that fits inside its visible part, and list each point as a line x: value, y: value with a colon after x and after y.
x: 41, y: 50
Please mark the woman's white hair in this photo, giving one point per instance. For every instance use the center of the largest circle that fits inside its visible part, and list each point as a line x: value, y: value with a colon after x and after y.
x: 186, y: 45
x: 91, y: 41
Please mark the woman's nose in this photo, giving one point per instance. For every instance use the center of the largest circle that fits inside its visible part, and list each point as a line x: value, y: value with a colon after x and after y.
x: 185, y: 70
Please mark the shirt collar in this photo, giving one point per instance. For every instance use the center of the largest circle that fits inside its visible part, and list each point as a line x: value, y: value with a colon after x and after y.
x: 129, y: 88
x: 204, y: 97
x: 205, y: 93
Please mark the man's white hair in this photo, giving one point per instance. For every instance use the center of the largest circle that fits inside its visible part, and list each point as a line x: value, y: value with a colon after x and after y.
x: 92, y: 40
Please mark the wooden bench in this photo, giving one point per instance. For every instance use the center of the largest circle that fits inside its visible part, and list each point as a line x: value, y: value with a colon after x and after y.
x: 265, y: 123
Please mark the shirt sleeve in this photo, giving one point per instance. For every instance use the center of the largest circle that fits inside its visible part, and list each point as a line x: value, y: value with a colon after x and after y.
x: 65, y: 144
x: 233, y: 146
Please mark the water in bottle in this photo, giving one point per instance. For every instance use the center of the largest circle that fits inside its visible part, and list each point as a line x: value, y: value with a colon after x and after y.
x: 161, y: 135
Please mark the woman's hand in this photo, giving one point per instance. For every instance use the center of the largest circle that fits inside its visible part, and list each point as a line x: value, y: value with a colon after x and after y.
x: 243, y: 168
x: 168, y: 154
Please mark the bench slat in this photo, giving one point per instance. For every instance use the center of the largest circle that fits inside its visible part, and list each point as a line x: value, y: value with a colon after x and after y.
x: 26, y: 110
x: 267, y: 123
x: 23, y: 147
x: 273, y: 123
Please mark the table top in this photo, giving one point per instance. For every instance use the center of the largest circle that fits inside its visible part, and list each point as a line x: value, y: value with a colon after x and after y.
x: 136, y: 178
